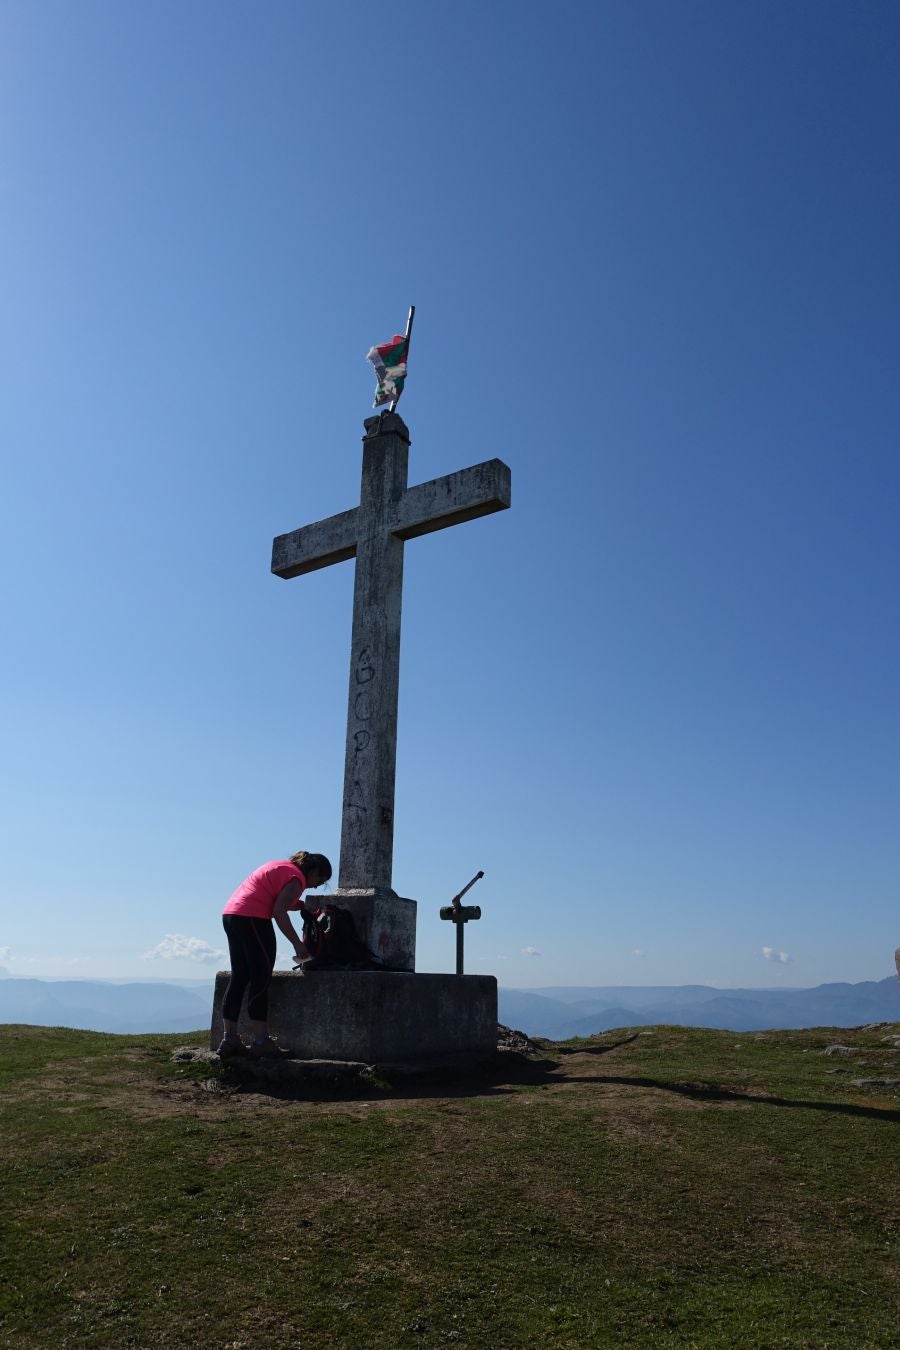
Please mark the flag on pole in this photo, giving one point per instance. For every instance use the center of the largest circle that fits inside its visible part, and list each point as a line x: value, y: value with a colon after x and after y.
x: 389, y: 360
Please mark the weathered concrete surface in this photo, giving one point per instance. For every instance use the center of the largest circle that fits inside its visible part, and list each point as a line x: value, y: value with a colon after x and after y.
x: 374, y: 532
x: 314, y: 546
x: 465, y: 495
x: 386, y: 923
x: 376, y: 1017
x: 367, y: 822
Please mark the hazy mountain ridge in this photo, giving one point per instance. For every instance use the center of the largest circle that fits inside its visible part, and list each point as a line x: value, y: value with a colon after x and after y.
x: 91, y: 1005
x: 554, y: 1014
x: 557, y: 1013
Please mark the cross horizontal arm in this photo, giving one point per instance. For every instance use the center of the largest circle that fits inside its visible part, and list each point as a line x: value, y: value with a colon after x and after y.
x: 456, y: 497
x: 314, y: 546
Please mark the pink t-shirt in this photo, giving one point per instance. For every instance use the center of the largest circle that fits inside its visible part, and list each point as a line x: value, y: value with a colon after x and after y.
x: 255, y: 898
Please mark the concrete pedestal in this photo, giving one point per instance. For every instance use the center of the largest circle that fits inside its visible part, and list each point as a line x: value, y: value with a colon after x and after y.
x: 377, y: 1017
x: 386, y: 922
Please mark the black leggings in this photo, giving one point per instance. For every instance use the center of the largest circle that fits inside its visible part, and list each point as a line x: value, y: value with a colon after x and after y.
x: 251, y: 946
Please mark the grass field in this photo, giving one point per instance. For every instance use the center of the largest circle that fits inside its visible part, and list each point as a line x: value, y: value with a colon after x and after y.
x: 668, y: 1188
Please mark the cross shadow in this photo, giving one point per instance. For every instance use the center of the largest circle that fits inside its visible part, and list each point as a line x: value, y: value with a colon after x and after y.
x: 511, y: 1070
x: 707, y: 1093
x: 593, y: 1049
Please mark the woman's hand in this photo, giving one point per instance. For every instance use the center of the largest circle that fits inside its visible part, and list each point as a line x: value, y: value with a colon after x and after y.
x: 287, y: 896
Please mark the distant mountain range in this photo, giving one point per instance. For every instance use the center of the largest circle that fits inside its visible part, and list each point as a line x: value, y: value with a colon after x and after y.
x: 561, y: 1012
x: 557, y: 1013
x: 93, y: 1005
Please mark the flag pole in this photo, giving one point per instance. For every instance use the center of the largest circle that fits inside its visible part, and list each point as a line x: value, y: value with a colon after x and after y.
x: 409, y: 323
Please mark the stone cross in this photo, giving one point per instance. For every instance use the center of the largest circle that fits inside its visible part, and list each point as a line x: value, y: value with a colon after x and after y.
x: 374, y: 533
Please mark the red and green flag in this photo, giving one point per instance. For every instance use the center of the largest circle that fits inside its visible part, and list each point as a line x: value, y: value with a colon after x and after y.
x: 389, y: 360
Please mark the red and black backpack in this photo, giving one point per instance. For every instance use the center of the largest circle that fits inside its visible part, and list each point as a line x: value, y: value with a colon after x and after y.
x: 330, y: 937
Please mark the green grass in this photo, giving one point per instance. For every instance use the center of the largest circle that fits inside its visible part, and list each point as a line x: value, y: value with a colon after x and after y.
x: 679, y: 1188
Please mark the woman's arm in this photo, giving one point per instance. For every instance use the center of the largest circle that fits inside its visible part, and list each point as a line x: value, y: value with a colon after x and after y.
x: 286, y: 896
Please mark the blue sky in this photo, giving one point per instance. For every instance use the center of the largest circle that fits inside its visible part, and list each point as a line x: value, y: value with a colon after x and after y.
x: 653, y: 250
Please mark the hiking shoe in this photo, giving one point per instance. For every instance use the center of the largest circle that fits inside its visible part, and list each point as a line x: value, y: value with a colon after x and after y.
x: 269, y: 1049
x: 230, y: 1047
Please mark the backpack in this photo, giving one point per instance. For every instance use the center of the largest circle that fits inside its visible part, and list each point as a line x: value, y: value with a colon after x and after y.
x: 330, y: 936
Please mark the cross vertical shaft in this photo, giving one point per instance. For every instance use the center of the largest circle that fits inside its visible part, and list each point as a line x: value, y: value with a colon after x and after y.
x: 367, y: 828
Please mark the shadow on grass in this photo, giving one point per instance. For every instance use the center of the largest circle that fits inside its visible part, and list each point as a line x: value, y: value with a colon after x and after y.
x: 508, y: 1072
x: 591, y: 1049
x: 708, y: 1093
x: 512, y: 1071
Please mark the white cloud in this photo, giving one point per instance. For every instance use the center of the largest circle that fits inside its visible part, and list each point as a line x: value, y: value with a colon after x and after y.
x: 772, y: 955
x: 177, y: 947
x: 638, y: 951
x: 530, y: 951
x: 5, y: 953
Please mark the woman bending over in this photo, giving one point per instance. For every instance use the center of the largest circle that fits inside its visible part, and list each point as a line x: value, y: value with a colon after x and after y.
x: 270, y: 892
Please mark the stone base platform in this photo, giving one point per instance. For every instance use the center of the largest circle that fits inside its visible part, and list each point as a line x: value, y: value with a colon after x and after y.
x: 375, y: 1016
